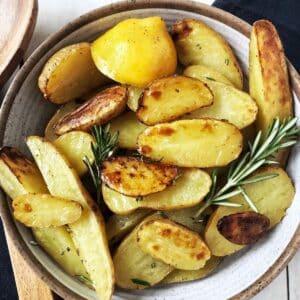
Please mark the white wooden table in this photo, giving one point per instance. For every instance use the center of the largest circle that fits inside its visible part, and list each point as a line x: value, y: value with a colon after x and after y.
x: 52, y: 15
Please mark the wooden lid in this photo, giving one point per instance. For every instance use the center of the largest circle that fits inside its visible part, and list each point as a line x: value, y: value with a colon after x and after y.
x: 17, y: 22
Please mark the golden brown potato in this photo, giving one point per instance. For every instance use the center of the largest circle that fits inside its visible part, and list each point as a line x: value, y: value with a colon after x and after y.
x: 129, y: 128
x: 118, y: 226
x: 135, y: 177
x: 268, y: 76
x: 136, y: 51
x: 198, y: 143
x: 230, y: 104
x: 60, y: 113
x: 69, y: 74
x: 101, y: 108
x: 134, y: 94
x: 173, y: 244
x: 272, y: 197
x: 88, y: 233
x: 188, y: 275
x: 134, y: 268
x: 76, y: 145
x: 244, y: 228
x: 202, y: 72
x: 188, y: 190
x: 44, y: 210
x: 198, y: 44
x: 19, y: 176
x: 168, y: 98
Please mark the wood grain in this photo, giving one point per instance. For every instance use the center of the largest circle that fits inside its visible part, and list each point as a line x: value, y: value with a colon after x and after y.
x: 17, y: 21
x: 29, y: 286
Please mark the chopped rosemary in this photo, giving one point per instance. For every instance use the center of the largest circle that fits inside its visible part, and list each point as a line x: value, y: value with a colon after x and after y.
x: 140, y: 282
x: 280, y: 135
x: 226, y: 61
x: 84, y: 279
x: 210, y: 78
x: 105, y: 146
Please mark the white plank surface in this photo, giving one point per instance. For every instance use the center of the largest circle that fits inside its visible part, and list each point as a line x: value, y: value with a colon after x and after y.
x: 56, y: 13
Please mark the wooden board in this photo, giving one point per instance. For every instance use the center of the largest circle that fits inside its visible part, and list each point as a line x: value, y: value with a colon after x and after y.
x: 17, y: 21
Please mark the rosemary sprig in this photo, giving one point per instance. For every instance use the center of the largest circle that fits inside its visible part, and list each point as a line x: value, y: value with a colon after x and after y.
x: 280, y: 135
x: 105, y: 146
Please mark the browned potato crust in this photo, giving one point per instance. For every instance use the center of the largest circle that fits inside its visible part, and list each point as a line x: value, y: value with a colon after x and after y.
x: 243, y: 228
x: 132, y: 176
x: 102, y: 107
x: 173, y: 244
x: 168, y: 98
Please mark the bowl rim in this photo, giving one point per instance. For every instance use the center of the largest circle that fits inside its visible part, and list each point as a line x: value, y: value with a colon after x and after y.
x: 121, y: 6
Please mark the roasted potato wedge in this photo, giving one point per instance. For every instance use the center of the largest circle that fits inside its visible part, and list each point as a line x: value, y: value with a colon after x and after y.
x: 199, y: 143
x: 88, y: 233
x: 118, y: 226
x: 272, y: 197
x: 188, y: 190
x: 198, y: 44
x: 19, y: 176
x: 268, y: 76
x: 205, y: 73
x: 168, y: 98
x: 101, y: 108
x: 188, y: 275
x: 134, y: 94
x: 44, y: 210
x: 129, y: 128
x: 134, y: 268
x: 230, y: 104
x: 173, y: 244
x: 135, y: 177
x: 136, y: 51
x: 244, y: 228
x: 76, y: 145
x: 69, y: 74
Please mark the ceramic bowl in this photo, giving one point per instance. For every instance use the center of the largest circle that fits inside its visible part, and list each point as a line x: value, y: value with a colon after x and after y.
x: 25, y: 112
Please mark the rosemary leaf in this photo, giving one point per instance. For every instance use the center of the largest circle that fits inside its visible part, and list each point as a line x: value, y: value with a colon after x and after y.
x: 247, y: 199
x: 140, y: 282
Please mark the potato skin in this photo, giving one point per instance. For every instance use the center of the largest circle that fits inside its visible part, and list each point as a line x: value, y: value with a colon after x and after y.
x: 173, y: 244
x: 272, y: 197
x: 197, y: 43
x: 19, y: 176
x: 243, y: 228
x: 135, y: 177
x: 268, y: 76
x: 198, y: 143
x: 136, y: 51
x: 168, y: 98
x: 44, y: 210
x: 102, y: 107
x: 69, y: 74
x: 60, y: 113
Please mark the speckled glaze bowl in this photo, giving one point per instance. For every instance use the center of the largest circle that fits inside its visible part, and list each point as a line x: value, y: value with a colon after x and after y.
x: 25, y: 112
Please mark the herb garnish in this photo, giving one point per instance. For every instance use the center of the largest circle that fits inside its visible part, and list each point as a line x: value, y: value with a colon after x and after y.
x: 280, y: 135
x: 210, y: 78
x: 226, y: 61
x: 105, y: 146
x: 84, y: 279
x: 140, y: 282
